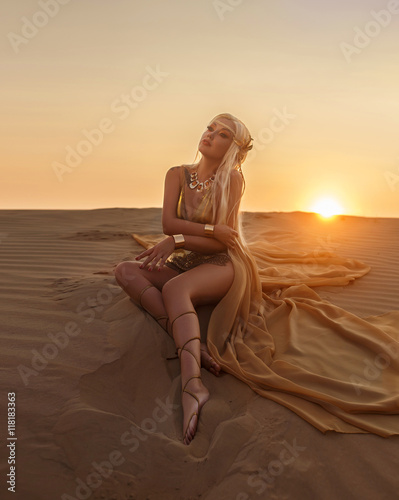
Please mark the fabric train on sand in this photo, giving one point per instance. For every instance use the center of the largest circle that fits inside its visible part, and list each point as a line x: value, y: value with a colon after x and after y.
x: 274, y: 332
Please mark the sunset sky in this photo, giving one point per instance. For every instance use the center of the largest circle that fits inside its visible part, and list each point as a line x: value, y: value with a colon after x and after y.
x: 316, y: 82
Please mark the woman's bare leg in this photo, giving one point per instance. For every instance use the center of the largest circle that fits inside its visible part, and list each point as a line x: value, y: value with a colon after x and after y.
x: 134, y: 280
x: 144, y: 287
x: 204, y: 284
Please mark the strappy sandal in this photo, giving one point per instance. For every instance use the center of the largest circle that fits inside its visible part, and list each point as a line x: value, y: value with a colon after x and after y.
x: 195, y: 413
x: 185, y: 390
x: 159, y: 318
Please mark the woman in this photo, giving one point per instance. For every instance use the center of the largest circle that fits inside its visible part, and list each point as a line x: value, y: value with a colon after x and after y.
x: 200, y: 215
x: 268, y: 327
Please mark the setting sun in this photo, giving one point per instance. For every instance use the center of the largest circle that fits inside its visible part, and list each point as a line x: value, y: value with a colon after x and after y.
x: 327, y: 207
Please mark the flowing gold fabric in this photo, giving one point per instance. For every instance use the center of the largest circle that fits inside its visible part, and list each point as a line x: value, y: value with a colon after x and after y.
x: 337, y: 371
x: 274, y: 332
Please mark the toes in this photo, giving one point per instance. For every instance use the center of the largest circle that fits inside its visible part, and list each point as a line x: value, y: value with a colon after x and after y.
x: 209, y: 363
x: 214, y: 368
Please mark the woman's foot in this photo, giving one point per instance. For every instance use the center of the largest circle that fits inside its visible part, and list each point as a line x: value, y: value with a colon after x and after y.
x: 194, y: 396
x: 208, y: 362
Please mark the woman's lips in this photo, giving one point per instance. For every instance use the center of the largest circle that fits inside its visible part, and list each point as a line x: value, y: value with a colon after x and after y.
x: 206, y: 142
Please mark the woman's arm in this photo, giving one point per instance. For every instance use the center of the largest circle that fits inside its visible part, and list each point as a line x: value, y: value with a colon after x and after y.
x: 157, y: 255
x: 171, y: 224
x: 205, y: 244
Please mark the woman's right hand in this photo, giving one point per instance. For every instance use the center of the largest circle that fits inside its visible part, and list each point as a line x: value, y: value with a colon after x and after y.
x: 157, y: 255
x: 225, y: 234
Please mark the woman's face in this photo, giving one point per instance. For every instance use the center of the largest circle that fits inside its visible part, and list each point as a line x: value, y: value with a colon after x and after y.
x: 216, y: 139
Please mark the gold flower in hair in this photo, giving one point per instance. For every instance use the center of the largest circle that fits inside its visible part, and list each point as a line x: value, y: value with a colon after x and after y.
x: 244, y: 146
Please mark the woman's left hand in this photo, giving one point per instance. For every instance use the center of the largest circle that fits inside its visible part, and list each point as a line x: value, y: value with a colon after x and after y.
x: 226, y: 235
x: 157, y: 254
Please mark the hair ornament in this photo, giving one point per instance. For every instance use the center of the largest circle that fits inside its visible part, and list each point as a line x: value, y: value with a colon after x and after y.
x: 244, y: 146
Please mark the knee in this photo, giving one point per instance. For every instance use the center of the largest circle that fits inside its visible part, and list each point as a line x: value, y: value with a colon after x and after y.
x: 170, y: 289
x: 175, y: 292
x: 125, y: 272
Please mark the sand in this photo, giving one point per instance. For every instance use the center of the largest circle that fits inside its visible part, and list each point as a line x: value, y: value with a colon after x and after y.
x: 98, y: 405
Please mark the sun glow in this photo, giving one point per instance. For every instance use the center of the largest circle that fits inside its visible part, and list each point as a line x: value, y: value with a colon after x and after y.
x: 327, y: 207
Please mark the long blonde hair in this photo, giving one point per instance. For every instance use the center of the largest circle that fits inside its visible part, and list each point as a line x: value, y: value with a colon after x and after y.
x: 232, y: 160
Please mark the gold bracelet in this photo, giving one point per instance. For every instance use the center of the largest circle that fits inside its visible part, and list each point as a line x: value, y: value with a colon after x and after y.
x: 209, y: 230
x: 179, y: 240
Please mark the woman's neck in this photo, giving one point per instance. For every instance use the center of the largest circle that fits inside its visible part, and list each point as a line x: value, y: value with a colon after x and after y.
x: 207, y: 167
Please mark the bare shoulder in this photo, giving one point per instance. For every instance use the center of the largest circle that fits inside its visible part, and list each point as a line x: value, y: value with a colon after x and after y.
x: 173, y: 174
x: 174, y: 170
x: 236, y: 175
x: 236, y: 179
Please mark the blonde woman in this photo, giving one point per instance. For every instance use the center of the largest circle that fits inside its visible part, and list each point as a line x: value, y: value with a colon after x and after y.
x: 200, y: 215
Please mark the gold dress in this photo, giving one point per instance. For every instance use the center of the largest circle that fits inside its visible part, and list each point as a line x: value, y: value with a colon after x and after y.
x: 183, y: 260
x: 271, y: 330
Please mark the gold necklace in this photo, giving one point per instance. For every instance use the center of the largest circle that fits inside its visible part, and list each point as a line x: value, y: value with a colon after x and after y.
x: 195, y: 183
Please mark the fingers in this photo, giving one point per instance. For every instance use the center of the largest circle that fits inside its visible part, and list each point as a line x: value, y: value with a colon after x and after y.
x: 155, y: 261
x: 232, y: 233
x: 147, y: 261
x: 150, y: 254
x: 228, y: 236
x: 161, y: 263
x: 143, y: 254
x: 157, y: 255
x: 233, y: 241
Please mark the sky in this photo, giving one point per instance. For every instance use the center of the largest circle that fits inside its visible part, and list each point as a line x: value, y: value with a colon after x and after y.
x: 99, y: 99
